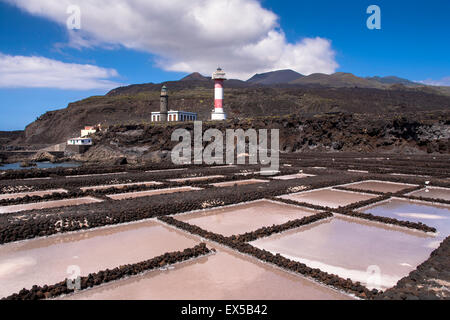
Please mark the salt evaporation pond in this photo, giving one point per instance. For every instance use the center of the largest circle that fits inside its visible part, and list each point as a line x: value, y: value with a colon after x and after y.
x: 245, y: 173
x: 165, y: 170
x: 96, y: 174
x: 238, y: 182
x: 379, y: 186
x: 433, y: 215
x: 196, y: 178
x: 242, y: 218
x: 328, y: 197
x: 30, y: 194
x: 48, y: 204
x: 374, y: 254
x: 132, y: 195
x: 224, y: 275
x: 433, y: 193
x: 119, y: 186
x: 293, y: 176
x: 46, y: 260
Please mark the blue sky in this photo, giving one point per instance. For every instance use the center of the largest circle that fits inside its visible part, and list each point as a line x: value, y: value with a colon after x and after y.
x: 45, y: 66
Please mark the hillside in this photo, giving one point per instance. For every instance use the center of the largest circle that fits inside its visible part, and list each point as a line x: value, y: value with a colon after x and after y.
x: 298, y: 133
x: 6, y: 137
x: 337, y: 80
x: 195, y: 76
x: 275, y: 77
x: 392, y: 80
x: 57, y: 126
x: 316, y: 93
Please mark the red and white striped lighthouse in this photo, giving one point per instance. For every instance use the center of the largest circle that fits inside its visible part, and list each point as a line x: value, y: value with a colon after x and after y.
x: 218, y: 114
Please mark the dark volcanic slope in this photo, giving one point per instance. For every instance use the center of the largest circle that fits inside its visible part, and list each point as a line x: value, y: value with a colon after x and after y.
x: 393, y: 80
x: 7, y: 137
x: 275, y: 77
x: 195, y: 76
x: 318, y: 133
x: 135, y: 103
x: 338, y: 80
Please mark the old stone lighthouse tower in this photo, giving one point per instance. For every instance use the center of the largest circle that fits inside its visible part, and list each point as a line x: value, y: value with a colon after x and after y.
x: 164, y: 103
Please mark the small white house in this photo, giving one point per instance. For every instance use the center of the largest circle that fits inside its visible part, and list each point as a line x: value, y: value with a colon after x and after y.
x: 174, y: 116
x: 80, y: 142
x: 87, y: 131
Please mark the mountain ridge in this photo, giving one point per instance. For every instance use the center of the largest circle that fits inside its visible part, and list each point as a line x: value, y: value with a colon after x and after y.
x: 282, y: 78
x: 195, y: 76
x: 312, y: 94
x: 275, y: 77
x: 392, y: 80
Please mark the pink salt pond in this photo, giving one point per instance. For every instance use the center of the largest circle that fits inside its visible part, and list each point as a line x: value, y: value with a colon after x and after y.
x: 190, y: 179
x: 242, y: 218
x: 433, y: 215
x: 50, y: 260
x: 328, y: 197
x: 97, y: 174
x: 371, y: 253
x: 165, y: 170
x: 224, y: 166
x: 119, y: 186
x: 379, y: 186
x: 292, y: 176
x: 148, y: 193
x: 238, y: 182
x: 244, y: 173
x: 433, y: 193
x: 30, y: 194
x: 224, y: 275
x: 47, y: 204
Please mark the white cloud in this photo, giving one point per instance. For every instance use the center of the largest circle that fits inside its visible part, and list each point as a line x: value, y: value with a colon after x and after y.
x: 440, y: 82
x: 40, y: 72
x: 196, y: 35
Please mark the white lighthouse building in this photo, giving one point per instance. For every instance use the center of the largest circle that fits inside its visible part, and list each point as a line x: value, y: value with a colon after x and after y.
x: 218, y: 114
x: 164, y: 115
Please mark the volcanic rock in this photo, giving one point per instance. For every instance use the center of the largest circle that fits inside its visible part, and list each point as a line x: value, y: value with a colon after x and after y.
x: 43, y: 156
x: 27, y: 164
